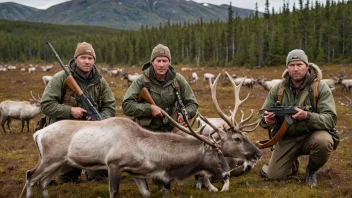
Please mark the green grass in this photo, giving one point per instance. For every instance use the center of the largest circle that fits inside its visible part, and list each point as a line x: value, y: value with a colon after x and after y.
x: 18, y: 153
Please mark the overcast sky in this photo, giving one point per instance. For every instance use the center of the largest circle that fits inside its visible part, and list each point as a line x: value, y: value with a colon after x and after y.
x: 250, y: 4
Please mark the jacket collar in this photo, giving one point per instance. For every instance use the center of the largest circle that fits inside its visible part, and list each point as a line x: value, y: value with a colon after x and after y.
x: 93, y: 78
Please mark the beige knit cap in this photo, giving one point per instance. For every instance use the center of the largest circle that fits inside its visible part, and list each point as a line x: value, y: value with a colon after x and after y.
x: 160, y: 50
x: 84, y: 48
x: 295, y: 55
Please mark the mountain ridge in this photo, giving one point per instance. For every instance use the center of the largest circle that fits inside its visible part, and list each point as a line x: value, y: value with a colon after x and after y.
x: 122, y: 14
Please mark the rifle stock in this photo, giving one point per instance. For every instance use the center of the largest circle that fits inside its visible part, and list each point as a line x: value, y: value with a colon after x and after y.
x: 72, y: 84
x: 144, y: 94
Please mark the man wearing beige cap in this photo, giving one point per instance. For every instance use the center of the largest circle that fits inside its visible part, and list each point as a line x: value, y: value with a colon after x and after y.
x: 311, y: 133
x: 160, y: 78
x: 59, y: 102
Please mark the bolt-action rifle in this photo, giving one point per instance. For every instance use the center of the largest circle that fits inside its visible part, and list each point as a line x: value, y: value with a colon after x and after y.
x: 72, y: 84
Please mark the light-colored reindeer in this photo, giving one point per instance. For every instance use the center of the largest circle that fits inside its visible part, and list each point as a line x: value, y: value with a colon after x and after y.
x: 19, y: 110
x: 121, y: 145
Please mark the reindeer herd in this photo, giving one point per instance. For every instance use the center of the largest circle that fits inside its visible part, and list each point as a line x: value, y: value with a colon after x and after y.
x: 217, y: 150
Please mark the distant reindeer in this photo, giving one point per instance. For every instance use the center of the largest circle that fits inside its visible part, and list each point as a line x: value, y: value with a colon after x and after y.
x: 130, y: 78
x: 346, y: 83
x: 208, y: 76
x: 46, y: 79
x: 267, y: 85
x: 19, y: 110
x: 194, y: 77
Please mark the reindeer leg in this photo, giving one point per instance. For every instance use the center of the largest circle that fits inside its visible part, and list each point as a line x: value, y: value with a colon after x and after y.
x: 114, y: 180
x: 8, y: 124
x: 22, y: 122
x: 4, y: 119
x: 44, y: 171
x: 142, y: 186
x: 46, y: 180
x: 28, y: 125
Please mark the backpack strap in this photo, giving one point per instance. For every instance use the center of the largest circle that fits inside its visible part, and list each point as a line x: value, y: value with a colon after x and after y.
x: 100, y: 94
x: 146, y: 82
x: 280, y: 92
x: 314, y: 89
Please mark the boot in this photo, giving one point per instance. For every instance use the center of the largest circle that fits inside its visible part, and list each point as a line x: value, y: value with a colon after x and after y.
x: 310, y: 177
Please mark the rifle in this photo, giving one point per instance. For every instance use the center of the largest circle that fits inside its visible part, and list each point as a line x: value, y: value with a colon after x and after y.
x: 144, y: 94
x: 180, y: 106
x: 72, y: 84
x: 281, y: 111
x: 287, y: 111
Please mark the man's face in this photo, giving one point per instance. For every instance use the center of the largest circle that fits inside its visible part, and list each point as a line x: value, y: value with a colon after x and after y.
x: 161, y: 65
x: 85, y: 63
x: 297, y: 70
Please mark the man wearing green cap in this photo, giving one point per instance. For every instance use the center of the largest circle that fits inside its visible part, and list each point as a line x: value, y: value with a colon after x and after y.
x: 161, y: 80
x: 311, y: 133
x: 59, y: 101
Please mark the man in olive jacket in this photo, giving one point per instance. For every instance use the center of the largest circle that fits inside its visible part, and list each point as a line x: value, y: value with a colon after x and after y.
x: 309, y: 134
x: 161, y: 78
x: 59, y: 102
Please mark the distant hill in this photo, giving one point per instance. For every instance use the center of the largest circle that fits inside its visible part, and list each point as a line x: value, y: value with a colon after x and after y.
x: 124, y: 14
x: 14, y: 11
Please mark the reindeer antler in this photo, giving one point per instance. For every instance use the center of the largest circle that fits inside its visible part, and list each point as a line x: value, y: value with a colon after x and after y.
x: 35, y: 99
x: 230, y: 120
x: 190, y: 131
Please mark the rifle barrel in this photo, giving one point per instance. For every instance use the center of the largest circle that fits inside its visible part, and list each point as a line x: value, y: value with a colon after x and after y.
x: 57, y: 57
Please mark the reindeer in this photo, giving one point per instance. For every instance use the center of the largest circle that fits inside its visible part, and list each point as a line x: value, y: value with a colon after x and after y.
x: 20, y: 110
x: 346, y: 84
x: 46, y: 79
x: 267, y: 85
x: 240, y: 153
x: 130, y: 78
x: 121, y: 145
x: 331, y: 82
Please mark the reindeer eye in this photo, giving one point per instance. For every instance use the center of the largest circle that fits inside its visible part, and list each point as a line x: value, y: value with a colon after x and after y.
x: 237, y: 140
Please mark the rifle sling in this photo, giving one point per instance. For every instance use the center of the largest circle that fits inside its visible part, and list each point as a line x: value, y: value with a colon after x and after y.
x: 268, y: 143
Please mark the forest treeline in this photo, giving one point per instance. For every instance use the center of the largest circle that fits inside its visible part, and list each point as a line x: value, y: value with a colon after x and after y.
x: 323, y: 30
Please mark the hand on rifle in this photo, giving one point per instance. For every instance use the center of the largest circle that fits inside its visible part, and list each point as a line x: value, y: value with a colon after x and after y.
x: 181, y: 120
x: 269, y: 118
x: 78, y: 112
x: 156, y: 111
x: 300, y: 115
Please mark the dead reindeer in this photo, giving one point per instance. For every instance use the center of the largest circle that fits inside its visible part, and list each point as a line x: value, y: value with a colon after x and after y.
x: 121, y: 145
x: 240, y: 153
x: 19, y: 110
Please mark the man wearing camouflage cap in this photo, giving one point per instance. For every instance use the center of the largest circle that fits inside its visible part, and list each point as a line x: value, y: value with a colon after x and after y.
x: 59, y: 101
x: 312, y: 133
x: 160, y: 78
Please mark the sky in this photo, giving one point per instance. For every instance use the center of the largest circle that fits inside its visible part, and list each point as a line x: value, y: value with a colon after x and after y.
x: 249, y: 4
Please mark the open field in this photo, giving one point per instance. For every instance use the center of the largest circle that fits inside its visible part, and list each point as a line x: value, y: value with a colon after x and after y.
x: 18, y: 153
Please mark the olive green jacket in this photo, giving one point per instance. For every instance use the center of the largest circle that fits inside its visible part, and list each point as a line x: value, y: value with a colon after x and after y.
x: 325, y: 116
x: 162, y: 94
x: 53, y: 97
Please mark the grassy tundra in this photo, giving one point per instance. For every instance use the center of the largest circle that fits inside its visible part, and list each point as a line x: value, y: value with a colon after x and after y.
x: 18, y: 152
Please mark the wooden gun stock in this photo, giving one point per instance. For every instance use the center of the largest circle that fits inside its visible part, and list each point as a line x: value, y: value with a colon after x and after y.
x: 268, y: 143
x: 144, y: 94
x: 70, y: 82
